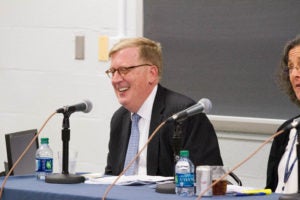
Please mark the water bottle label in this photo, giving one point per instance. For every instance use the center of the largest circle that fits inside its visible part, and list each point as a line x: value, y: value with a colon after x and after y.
x: 44, y: 165
x: 184, y: 180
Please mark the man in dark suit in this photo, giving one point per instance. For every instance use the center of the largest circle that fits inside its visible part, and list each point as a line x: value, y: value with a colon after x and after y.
x: 136, y: 67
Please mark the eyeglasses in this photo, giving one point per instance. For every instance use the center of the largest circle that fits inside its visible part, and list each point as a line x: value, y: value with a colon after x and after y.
x: 122, y: 70
x: 290, y: 69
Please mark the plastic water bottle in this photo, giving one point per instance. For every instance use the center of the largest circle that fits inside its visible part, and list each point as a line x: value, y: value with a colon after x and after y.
x: 184, y: 175
x: 43, y: 160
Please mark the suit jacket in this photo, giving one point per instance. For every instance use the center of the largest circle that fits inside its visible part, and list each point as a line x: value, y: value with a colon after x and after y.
x: 198, y: 136
x: 277, y: 150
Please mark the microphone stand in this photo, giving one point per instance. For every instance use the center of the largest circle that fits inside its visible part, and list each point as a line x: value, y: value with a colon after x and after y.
x: 65, y: 177
x: 294, y: 196
x: 169, y: 188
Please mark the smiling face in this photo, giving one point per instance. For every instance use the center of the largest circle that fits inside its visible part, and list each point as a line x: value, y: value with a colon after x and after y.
x: 294, y: 62
x: 132, y: 88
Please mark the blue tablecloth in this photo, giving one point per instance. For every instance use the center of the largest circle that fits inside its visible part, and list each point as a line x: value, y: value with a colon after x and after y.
x: 28, y: 188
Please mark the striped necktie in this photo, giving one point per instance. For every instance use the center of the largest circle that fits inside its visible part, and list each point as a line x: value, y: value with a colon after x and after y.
x: 133, y: 145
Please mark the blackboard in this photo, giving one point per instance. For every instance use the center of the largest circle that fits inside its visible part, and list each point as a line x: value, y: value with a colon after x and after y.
x: 225, y: 50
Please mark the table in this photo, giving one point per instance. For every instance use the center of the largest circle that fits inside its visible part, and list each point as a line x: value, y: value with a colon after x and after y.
x: 28, y: 188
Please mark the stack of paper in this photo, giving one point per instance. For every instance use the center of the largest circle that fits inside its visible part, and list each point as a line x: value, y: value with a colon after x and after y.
x: 129, y: 180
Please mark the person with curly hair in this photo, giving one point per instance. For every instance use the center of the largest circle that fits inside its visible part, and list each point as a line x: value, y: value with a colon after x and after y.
x: 282, y: 170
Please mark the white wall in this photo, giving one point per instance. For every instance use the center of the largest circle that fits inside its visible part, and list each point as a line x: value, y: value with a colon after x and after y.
x: 38, y: 74
x: 245, y: 145
x: 236, y: 147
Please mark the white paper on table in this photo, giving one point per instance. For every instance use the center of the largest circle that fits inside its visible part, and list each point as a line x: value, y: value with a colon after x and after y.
x: 129, y: 180
x: 237, y: 189
x: 93, y: 175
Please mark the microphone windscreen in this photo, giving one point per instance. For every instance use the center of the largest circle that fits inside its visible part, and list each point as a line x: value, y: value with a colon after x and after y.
x: 89, y: 106
x: 207, y: 105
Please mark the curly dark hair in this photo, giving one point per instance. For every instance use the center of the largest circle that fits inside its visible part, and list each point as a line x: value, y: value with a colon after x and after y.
x: 283, y: 74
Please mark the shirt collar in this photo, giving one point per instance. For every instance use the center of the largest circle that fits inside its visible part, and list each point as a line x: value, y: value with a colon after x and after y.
x: 146, y: 109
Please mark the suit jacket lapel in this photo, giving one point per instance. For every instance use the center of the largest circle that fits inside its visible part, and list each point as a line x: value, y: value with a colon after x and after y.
x: 156, y: 118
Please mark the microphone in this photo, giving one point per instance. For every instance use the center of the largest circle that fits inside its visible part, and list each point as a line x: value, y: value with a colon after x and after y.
x: 294, y: 124
x: 86, y: 106
x: 203, y: 105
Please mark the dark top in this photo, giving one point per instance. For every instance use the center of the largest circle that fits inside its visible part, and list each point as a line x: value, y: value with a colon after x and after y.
x: 277, y: 150
x: 198, y: 136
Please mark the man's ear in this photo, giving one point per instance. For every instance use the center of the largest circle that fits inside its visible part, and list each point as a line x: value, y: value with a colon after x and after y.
x: 153, y: 76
